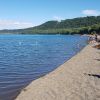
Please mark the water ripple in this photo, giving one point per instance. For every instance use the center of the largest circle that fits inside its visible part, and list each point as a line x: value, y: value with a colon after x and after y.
x: 24, y: 58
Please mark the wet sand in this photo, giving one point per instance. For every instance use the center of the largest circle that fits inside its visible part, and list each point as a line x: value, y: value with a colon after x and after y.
x: 76, y: 79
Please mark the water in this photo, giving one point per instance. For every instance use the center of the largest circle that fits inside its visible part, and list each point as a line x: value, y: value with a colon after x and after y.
x: 24, y: 58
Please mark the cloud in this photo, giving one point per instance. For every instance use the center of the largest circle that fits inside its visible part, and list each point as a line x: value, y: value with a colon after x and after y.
x: 57, y: 18
x: 91, y: 12
x: 11, y: 24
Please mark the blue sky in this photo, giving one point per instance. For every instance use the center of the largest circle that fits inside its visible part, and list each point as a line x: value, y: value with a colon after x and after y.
x: 27, y: 13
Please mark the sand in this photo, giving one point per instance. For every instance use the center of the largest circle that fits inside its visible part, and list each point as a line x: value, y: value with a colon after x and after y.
x: 76, y: 79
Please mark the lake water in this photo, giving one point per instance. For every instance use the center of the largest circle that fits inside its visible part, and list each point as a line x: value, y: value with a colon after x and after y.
x: 24, y: 58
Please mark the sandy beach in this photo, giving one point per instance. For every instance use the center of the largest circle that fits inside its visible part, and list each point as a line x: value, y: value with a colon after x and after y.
x: 76, y: 79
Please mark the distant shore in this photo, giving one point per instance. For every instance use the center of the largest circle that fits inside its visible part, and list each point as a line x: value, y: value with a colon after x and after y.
x: 76, y: 79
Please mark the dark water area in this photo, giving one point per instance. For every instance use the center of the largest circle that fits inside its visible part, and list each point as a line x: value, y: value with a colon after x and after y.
x: 24, y: 58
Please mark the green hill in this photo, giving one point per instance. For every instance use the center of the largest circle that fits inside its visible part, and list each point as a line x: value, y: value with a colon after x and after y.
x: 71, y: 23
x: 82, y: 25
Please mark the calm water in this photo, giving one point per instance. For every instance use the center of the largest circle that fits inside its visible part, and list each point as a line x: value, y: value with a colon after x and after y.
x: 24, y: 58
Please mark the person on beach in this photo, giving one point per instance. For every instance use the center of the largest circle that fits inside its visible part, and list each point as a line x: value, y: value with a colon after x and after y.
x: 93, y: 38
x: 90, y: 38
x: 96, y: 37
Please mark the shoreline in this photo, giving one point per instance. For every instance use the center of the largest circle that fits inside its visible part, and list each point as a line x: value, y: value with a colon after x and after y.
x: 76, y: 79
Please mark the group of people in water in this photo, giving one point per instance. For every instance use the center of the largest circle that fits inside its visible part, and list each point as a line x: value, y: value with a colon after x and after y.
x: 94, y: 38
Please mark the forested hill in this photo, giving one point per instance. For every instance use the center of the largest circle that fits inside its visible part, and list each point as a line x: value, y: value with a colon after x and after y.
x: 82, y: 25
x: 71, y: 23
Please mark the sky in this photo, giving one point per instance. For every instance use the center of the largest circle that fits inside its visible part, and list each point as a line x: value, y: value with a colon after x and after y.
x: 17, y: 14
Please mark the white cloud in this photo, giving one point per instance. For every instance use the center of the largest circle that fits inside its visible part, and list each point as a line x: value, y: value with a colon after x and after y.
x: 91, y: 12
x: 57, y: 18
x: 11, y: 24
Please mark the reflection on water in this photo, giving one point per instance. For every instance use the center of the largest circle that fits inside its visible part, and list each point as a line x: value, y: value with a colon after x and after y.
x: 24, y: 58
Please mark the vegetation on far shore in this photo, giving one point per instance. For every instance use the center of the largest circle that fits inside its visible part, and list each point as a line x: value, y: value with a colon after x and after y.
x: 82, y: 25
